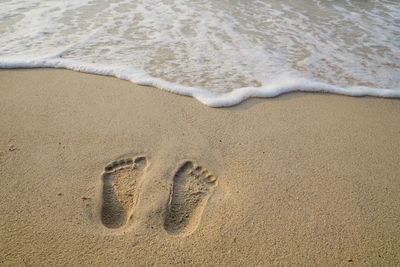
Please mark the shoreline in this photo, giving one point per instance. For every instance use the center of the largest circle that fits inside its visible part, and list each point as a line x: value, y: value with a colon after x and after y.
x: 275, y: 88
x: 303, y: 178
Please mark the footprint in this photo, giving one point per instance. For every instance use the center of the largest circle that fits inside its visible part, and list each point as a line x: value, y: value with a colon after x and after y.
x: 121, y: 182
x: 192, y: 187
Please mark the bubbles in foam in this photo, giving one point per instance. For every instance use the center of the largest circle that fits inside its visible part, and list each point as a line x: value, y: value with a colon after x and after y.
x: 220, y: 52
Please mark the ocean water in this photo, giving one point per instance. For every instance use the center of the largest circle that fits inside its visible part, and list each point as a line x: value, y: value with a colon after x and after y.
x: 218, y: 51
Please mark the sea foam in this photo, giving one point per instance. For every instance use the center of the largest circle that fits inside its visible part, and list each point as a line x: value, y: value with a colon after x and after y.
x: 219, y: 52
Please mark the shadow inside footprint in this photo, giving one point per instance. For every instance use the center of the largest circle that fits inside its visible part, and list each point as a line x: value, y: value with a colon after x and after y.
x: 192, y: 187
x: 121, y: 181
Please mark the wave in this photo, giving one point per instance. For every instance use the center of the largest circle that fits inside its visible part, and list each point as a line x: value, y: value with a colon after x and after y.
x: 278, y: 86
x: 219, y: 52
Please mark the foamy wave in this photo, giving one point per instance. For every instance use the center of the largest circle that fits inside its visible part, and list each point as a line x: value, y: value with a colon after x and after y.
x: 220, y: 52
x: 275, y: 88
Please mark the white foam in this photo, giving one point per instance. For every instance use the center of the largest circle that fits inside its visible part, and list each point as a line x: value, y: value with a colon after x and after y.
x: 220, y: 53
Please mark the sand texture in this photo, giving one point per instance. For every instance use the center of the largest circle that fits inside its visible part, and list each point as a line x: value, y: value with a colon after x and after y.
x: 95, y: 171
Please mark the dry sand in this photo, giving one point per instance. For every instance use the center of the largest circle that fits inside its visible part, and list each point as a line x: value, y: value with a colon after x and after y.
x: 302, y: 179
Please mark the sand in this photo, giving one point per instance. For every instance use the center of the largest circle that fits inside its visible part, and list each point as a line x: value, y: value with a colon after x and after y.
x: 98, y: 171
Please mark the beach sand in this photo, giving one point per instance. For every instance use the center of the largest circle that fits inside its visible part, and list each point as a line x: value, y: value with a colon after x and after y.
x: 99, y: 171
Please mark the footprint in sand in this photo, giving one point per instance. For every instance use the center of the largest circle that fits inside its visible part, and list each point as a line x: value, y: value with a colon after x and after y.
x: 192, y: 187
x: 121, y: 182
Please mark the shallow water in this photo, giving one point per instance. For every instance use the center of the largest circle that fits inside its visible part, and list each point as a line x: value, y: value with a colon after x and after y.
x: 220, y: 52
